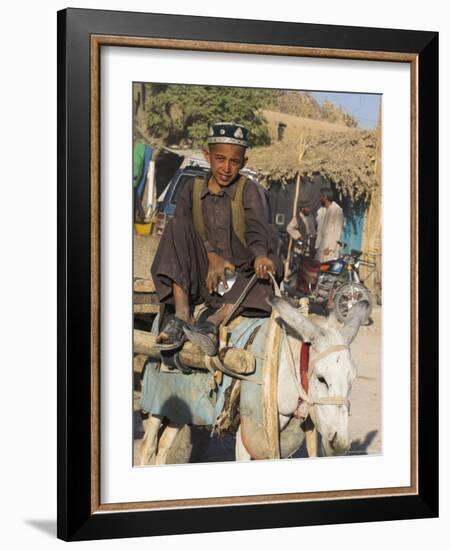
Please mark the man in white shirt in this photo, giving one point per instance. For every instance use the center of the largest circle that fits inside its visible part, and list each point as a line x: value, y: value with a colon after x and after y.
x: 330, y: 223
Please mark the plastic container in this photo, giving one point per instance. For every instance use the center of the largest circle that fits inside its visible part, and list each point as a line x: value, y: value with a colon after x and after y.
x: 142, y: 228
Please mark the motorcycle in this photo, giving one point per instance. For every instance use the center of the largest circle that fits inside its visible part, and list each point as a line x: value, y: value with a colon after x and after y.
x: 334, y: 284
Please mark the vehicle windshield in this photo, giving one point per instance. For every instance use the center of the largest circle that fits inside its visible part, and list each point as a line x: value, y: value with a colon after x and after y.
x: 182, y: 181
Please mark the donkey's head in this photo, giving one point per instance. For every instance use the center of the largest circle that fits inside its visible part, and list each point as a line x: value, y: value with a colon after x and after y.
x: 331, y: 370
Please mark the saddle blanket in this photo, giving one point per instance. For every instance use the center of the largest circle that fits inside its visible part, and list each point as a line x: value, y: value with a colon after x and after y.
x: 188, y: 398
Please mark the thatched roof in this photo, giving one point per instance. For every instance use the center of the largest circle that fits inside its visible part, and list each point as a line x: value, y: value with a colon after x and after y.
x: 342, y: 155
x: 345, y: 156
x: 347, y: 159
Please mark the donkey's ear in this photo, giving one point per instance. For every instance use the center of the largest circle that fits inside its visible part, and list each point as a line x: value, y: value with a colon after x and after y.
x: 354, y: 320
x: 308, y: 330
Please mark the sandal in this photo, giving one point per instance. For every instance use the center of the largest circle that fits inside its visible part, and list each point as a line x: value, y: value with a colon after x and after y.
x: 173, y: 361
x: 204, y: 335
x: 174, y: 330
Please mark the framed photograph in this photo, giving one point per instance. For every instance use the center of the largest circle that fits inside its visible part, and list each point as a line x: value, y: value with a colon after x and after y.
x: 247, y: 255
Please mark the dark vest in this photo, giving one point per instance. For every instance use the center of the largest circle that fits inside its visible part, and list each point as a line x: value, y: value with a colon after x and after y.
x: 237, y: 210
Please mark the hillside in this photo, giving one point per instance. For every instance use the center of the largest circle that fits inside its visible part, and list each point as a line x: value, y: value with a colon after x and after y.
x: 296, y: 124
x: 304, y: 104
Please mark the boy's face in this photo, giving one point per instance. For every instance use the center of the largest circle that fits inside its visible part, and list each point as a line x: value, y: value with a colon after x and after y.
x: 226, y: 159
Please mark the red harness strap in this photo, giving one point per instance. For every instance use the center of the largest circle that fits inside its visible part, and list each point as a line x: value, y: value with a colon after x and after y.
x: 304, y: 365
x: 304, y: 368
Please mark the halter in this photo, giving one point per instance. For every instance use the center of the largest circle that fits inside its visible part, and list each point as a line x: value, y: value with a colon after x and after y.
x: 305, y: 401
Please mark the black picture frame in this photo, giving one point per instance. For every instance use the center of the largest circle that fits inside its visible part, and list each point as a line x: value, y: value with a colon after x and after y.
x: 76, y: 518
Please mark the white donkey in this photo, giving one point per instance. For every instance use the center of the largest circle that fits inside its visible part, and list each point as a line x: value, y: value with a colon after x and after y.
x: 326, y: 404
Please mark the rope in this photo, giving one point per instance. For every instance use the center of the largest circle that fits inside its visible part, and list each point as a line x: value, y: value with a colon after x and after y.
x: 276, y: 288
x: 239, y: 300
x: 322, y: 354
x: 212, y: 371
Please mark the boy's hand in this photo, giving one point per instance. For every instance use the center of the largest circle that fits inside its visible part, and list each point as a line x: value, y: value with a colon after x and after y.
x: 264, y: 266
x: 216, y: 271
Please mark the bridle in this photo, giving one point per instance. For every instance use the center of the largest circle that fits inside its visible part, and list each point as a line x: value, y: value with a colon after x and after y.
x: 306, y: 402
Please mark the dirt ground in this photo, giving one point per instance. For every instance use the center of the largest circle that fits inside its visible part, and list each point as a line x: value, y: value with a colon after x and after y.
x: 365, y: 419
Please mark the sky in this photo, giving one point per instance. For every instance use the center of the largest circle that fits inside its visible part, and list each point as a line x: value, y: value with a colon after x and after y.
x: 364, y: 107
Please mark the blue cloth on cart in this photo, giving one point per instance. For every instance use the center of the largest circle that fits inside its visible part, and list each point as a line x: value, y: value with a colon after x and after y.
x: 188, y: 399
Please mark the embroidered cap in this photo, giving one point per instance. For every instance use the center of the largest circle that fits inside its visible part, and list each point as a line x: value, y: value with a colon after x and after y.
x: 228, y: 132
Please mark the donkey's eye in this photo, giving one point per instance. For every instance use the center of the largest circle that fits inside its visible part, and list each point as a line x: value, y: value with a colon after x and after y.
x: 322, y: 380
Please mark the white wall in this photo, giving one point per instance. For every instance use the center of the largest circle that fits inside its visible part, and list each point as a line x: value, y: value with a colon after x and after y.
x: 28, y: 270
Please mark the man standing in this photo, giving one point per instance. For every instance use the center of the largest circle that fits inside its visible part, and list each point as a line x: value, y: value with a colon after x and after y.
x: 302, y: 227
x: 330, y: 223
x: 220, y: 228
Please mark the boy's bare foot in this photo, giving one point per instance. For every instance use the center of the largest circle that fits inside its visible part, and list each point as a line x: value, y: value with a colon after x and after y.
x: 172, y: 336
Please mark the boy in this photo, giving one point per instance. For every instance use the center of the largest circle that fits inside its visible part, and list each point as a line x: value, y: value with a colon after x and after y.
x: 220, y: 227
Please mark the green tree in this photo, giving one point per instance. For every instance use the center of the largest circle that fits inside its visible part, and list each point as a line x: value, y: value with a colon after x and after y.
x: 181, y: 114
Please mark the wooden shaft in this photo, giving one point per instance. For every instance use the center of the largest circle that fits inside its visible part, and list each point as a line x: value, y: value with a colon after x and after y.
x: 270, y: 385
x: 236, y: 360
x: 311, y: 441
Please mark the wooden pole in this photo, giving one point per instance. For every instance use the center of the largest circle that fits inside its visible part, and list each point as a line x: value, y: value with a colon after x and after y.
x: 301, y: 152
x: 371, y: 244
x: 291, y: 240
x: 237, y: 360
x: 270, y: 387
